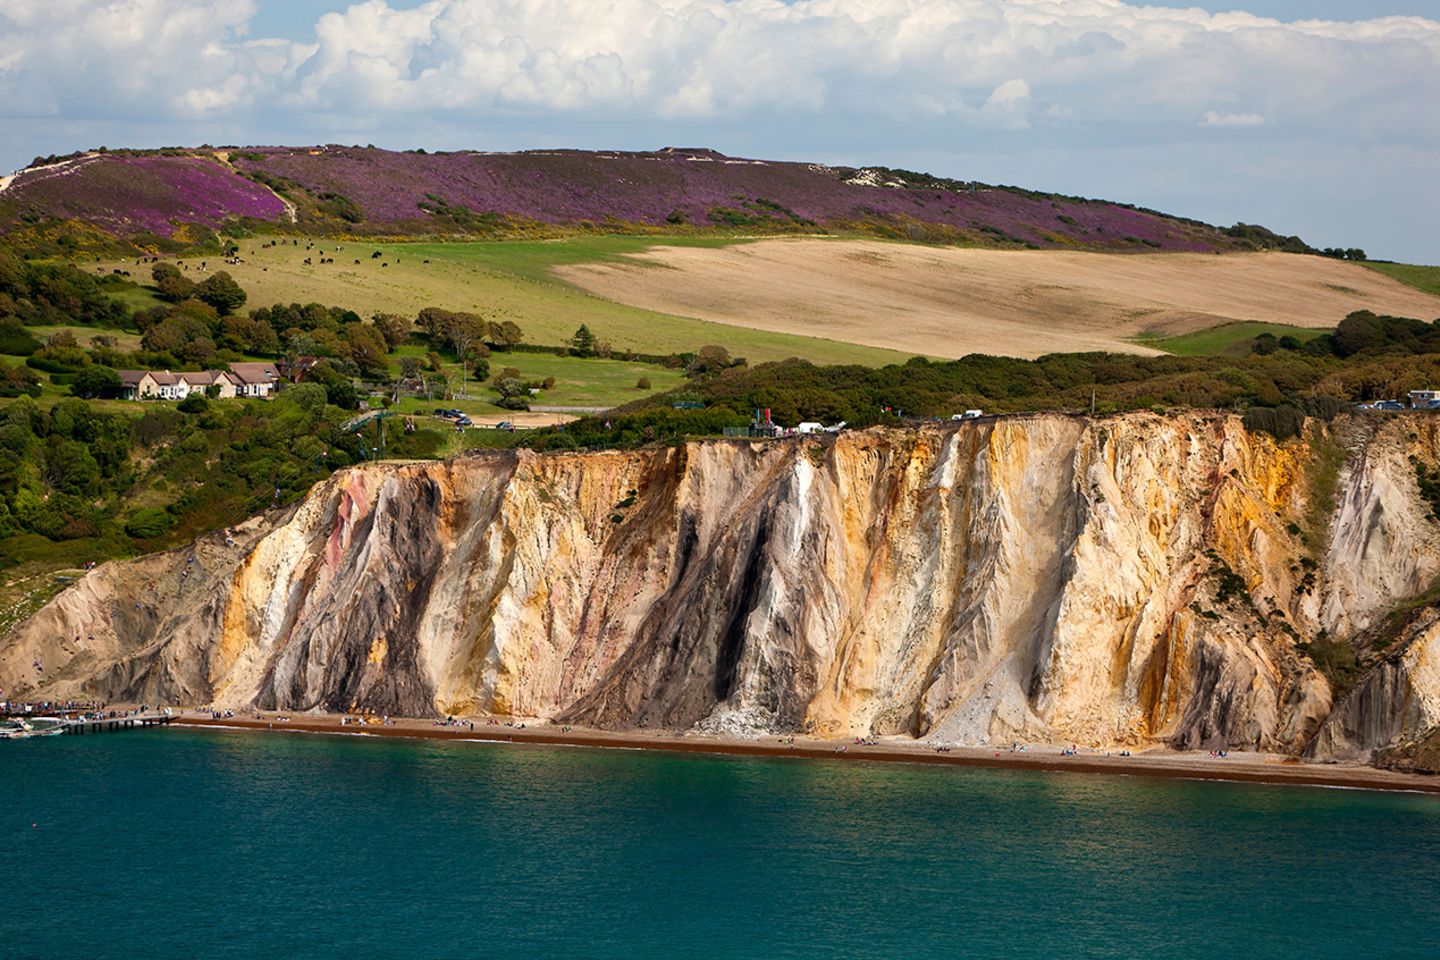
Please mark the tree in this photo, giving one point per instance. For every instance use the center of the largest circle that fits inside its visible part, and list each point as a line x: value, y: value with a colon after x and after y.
x: 582, y: 344
x: 505, y: 335
x: 464, y: 331
x: 709, y: 359
x: 395, y: 329
x: 434, y: 322
x: 367, y: 349
x: 222, y: 292
x: 513, y: 394
x: 96, y: 382
x: 172, y: 284
x: 69, y: 466
x: 410, y: 368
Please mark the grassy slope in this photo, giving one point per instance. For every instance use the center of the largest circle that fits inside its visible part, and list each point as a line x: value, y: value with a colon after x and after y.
x: 124, y: 340
x: 579, y: 383
x: 1419, y: 277
x: 510, y: 280
x: 1226, y: 339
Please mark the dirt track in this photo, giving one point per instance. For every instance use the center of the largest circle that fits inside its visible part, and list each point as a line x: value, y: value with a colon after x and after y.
x: 950, y: 302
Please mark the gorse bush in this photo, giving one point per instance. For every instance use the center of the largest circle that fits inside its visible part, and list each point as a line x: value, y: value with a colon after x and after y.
x: 1282, y: 423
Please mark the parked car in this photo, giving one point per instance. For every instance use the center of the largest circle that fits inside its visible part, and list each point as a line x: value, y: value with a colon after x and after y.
x: 505, y: 425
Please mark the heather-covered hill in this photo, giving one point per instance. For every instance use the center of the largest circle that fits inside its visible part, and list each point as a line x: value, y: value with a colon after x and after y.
x: 366, y: 190
x: 130, y: 194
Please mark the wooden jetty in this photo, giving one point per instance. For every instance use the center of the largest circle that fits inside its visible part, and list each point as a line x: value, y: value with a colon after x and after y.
x: 111, y: 724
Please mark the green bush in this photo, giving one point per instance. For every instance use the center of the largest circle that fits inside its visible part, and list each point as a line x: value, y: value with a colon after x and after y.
x: 1282, y: 423
x: 194, y: 403
x: 148, y: 523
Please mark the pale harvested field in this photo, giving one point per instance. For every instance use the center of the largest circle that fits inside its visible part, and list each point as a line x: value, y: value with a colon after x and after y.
x: 951, y: 302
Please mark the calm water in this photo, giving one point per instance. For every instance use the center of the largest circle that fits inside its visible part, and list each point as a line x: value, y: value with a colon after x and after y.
x: 215, y: 845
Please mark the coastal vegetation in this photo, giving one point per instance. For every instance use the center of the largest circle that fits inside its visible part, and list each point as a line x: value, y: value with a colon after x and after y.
x: 90, y: 475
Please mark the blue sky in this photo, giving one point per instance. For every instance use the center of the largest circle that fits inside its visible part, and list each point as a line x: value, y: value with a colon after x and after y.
x: 1328, y: 130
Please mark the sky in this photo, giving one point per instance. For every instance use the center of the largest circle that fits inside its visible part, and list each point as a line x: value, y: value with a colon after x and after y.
x: 1314, y: 117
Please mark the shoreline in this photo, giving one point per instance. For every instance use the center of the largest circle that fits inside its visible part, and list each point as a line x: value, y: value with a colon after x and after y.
x: 1236, y: 768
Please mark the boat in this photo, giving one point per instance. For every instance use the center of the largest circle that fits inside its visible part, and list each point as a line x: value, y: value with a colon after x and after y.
x: 37, y: 727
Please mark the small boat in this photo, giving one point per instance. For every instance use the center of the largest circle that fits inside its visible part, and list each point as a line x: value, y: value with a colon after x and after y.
x: 38, y: 727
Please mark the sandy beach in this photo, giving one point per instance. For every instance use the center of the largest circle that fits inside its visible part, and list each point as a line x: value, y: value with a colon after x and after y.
x: 1237, y: 767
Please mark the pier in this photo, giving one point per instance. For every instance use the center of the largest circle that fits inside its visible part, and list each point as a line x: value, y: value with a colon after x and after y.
x: 112, y: 724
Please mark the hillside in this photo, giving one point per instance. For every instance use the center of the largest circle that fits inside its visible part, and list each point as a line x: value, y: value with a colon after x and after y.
x: 951, y: 302
x: 352, y: 190
x: 1134, y: 580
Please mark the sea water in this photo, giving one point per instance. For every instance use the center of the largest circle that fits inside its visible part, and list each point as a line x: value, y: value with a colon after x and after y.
x: 184, y: 843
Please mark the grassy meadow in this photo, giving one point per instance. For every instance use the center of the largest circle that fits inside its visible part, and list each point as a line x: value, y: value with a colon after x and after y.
x: 1230, y: 339
x: 505, y: 280
x: 1420, y: 277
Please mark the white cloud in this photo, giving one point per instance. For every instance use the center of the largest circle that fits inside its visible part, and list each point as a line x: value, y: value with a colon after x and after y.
x: 913, y: 75
x: 1213, y: 118
x: 703, y: 58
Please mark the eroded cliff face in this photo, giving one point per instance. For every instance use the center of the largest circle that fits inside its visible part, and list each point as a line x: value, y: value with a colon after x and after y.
x: 1117, y: 582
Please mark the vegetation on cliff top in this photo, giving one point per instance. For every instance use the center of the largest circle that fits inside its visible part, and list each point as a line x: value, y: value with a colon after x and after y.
x: 99, y: 477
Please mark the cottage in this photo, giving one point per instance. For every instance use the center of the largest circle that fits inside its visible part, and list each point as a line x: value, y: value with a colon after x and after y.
x: 204, y: 380
x: 164, y: 385
x: 255, y: 379
x: 138, y: 385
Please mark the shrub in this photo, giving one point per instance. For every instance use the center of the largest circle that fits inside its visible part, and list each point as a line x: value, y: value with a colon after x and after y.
x: 148, y: 523
x: 1282, y: 423
x: 194, y: 403
x: 642, y: 384
x: 96, y: 382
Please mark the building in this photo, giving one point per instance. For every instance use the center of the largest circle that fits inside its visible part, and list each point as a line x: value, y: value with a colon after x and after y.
x: 164, y: 385
x: 255, y: 379
x: 1424, y: 399
x: 295, y: 372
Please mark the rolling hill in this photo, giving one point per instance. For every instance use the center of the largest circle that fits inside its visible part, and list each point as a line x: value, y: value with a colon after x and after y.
x: 367, y: 191
x: 948, y: 302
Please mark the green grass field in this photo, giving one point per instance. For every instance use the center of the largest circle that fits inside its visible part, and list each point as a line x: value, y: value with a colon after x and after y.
x: 1420, y: 277
x: 123, y: 340
x: 1229, y: 338
x: 509, y: 280
x: 578, y: 383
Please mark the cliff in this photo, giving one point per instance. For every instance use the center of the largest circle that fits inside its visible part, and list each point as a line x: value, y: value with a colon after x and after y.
x: 1126, y: 581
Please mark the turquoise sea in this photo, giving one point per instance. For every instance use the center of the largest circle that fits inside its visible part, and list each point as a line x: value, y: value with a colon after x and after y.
x: 215, y: 845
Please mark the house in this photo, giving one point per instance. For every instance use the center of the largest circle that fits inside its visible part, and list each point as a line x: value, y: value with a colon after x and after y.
x: 200, y: 382
x: 255, y: 379
x: 138, y: 385
x: 1424, y: 399
x: 295, y: 372
x: 164, y: 385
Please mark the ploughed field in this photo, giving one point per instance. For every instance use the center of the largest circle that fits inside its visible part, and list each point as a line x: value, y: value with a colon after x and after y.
x: 949, y: 302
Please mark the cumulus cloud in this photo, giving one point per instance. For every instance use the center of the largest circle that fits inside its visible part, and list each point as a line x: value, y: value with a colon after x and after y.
x: 919, y: 73
x: 978, y: 61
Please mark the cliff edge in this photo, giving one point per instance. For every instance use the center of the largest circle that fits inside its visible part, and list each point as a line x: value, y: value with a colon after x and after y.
x: 1127, y: 581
